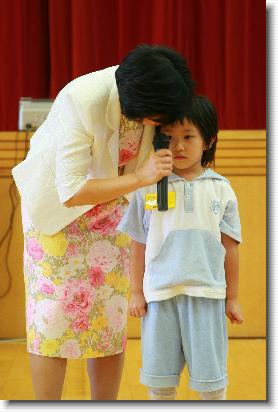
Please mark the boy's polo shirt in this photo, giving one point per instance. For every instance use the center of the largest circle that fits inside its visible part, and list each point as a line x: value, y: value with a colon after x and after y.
x: 184, y: 253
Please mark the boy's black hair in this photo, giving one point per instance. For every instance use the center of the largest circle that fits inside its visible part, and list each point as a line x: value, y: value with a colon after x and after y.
x: 203, y: 115
x: 154, y: 80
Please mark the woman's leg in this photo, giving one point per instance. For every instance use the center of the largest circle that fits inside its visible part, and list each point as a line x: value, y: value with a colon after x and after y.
x: 48, y: 376
x: 105, y: 376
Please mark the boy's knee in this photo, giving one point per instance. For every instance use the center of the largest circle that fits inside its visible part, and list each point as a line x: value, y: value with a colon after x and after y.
x: 219, y: 395
x: 162, y: 394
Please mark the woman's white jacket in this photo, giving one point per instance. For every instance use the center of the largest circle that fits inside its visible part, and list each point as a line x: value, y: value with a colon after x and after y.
x: 79, y: 140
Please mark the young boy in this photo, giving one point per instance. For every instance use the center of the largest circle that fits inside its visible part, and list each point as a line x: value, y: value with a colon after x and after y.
x: 184, y: 264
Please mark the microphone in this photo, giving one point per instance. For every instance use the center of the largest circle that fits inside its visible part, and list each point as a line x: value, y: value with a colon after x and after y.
x: 161, y: 141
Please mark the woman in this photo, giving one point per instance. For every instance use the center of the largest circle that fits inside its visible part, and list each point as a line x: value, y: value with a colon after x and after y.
x: 93, y: 149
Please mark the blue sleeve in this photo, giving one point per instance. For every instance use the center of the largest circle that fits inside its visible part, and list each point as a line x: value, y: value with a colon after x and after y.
x: 133, y: 220
x: 230, y: 223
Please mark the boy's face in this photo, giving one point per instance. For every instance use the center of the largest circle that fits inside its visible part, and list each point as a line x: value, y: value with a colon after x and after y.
x: 187, y: 146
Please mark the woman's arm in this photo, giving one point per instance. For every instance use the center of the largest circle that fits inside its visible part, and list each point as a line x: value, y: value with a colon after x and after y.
x: 94, y: 191
x: 97, y: 191
x: 137, y: 303
x: 233, y: 309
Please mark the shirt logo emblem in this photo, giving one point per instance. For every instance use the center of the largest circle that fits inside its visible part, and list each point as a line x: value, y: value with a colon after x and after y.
x: 215, y: 207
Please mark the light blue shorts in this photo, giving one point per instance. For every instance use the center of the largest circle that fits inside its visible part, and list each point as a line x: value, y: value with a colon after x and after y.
x: 185, y: 330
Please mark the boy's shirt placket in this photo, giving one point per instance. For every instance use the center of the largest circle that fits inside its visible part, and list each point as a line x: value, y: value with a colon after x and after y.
x: 188, y: 197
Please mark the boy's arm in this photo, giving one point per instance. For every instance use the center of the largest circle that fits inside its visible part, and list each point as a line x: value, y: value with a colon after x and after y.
x: 137, y: 303
x: 233, y: 309
x: 133, y: 225
x: 231, y: 265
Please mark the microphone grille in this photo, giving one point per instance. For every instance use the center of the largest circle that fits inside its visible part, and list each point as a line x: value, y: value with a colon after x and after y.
x: 160, y: 141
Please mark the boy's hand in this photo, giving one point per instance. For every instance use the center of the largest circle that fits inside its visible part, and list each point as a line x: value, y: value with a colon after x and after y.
x: 137, y: 305
x: 233, y: 311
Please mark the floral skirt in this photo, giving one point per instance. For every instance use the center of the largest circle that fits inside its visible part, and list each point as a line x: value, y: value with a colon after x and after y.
x: 76, y: 285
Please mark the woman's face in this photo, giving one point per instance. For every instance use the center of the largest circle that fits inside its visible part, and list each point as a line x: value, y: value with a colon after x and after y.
x: 147, y: 121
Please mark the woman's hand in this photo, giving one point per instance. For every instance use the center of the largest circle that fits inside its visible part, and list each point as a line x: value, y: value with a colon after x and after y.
x: 137, y: 305
x: 155, y: 167
x: 233, y: 311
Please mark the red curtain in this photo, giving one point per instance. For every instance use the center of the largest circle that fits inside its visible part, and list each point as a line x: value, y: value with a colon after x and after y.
x: 24, y: 51
x: 46, y: 43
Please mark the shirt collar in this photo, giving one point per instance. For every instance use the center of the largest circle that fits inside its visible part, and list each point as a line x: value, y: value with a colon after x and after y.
x: 208, y: 174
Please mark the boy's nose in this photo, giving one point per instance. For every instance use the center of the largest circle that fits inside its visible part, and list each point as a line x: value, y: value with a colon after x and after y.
x: 179, y: 145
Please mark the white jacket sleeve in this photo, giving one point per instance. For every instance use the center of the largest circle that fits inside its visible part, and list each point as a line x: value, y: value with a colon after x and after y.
x: 73, y: 152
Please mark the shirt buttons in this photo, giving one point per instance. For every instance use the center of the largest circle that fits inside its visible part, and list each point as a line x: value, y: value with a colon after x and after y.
x: 188, y: 197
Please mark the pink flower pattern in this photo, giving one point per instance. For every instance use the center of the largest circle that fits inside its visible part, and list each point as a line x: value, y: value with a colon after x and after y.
x: 80, y: 324
x: 72, y: 249
x: 34, y: 249
x: 103, y: 254
x: 116, y: 312
x: 129, y: 144
x: 124, y: 341
x: 70, y: 349
x: 36, y: 344
x: 106, y: 339
x: 30, y: 311
x: 67, y: 293
x: 46, y: 286
x: 106, y: 221
x: 125, y: 156
x: 76, y: 297
x: 96, y: 276
x: 74, y: 230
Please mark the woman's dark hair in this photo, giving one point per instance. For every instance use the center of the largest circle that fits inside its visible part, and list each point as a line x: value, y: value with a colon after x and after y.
x: 203, y: 115
x: 154, y: 80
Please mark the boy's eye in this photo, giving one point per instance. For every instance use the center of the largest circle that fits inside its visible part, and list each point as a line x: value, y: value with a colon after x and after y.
x: 187, y: 137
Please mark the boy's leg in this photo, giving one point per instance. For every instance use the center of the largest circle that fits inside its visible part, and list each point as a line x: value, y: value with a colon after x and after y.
x: 219, y: 395
x: 162, y: 354
x: 204, y: 338
x: 162, y: 394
